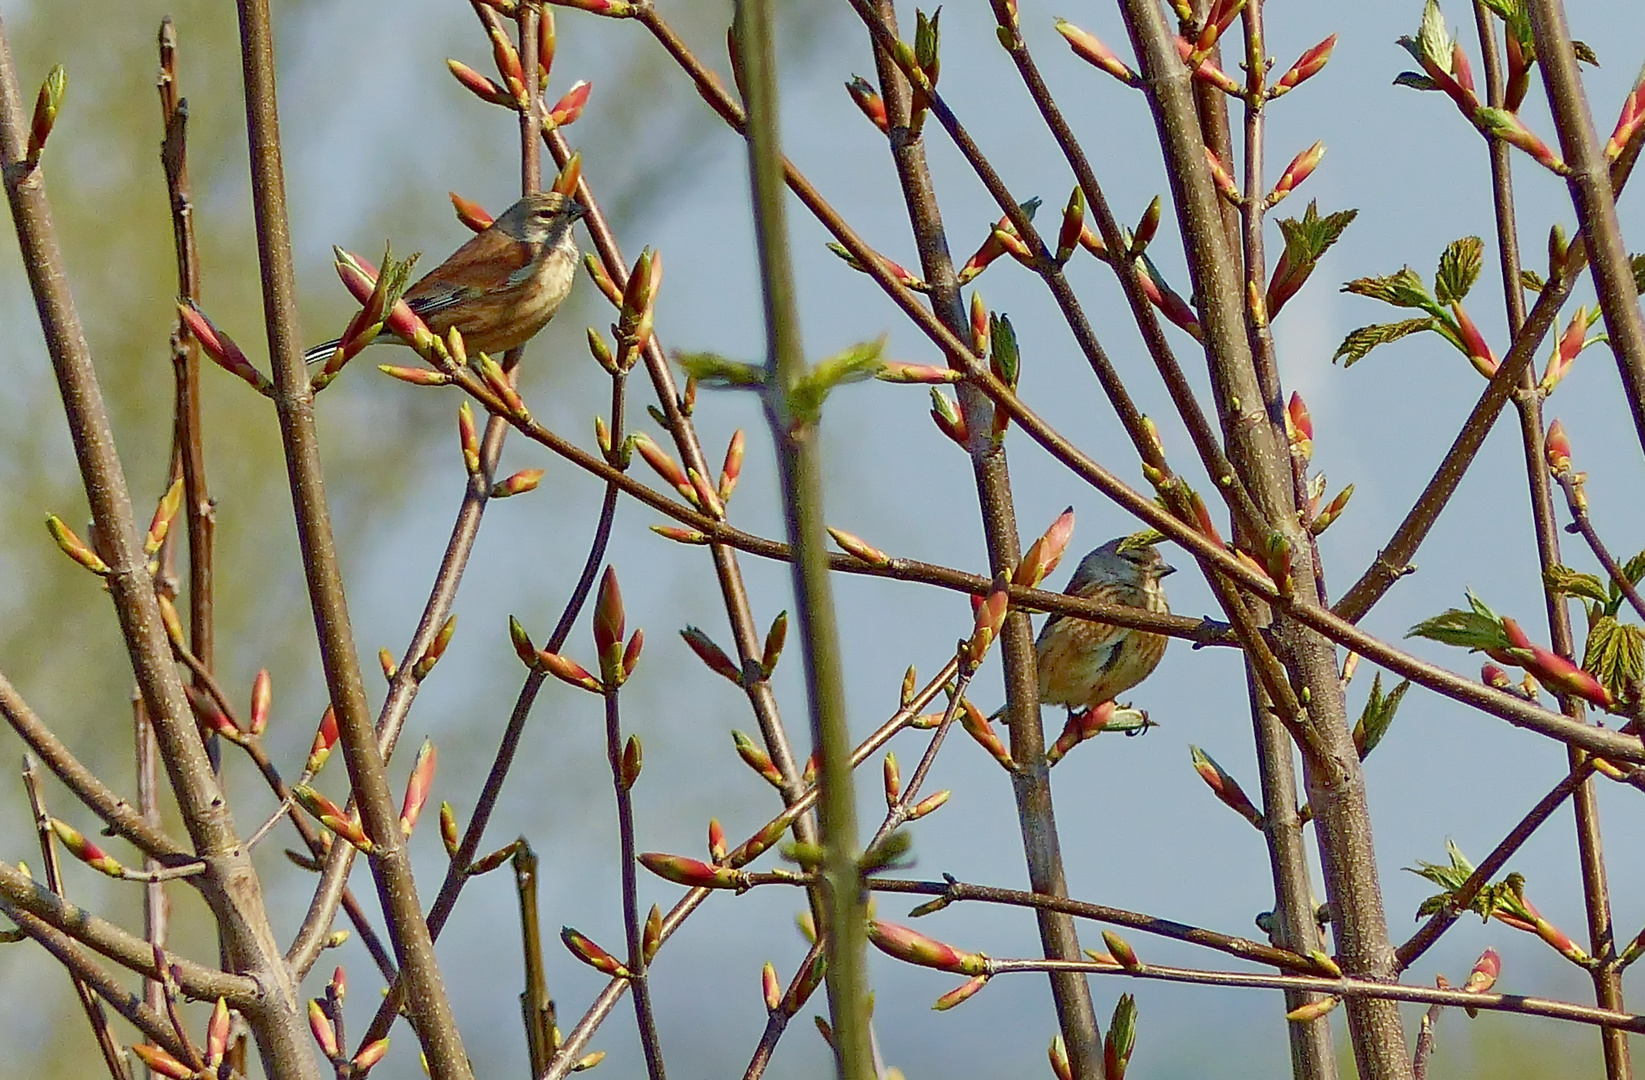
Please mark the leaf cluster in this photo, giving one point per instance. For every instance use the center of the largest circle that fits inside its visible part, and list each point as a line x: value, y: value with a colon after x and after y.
x: 1506, y: 896
x: 1459, y: 268
x: 1615, y: 650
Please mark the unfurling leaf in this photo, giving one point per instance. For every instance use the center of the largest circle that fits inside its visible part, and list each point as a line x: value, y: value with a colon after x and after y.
x: 1361, y: 341
x: 1615, y: 654
x: 1562, y: 579
x: 1459, y: 268
x: 1378, y: 715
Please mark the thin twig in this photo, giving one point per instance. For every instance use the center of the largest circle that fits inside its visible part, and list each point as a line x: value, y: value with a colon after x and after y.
x: 1577, y: 504
x: 156, y: 906
x: 113, y: 1056
x: 1348, y: 988
x: 576, y: 1042
x: 188, y: 437
x: 1425, y: 1042
x: 953, y: 891
x: 634, y: 929
x: 536, y: 1007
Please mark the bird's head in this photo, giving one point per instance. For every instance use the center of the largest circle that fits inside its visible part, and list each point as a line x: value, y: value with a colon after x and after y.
x: 542, y: 217
x: 1122, y: 561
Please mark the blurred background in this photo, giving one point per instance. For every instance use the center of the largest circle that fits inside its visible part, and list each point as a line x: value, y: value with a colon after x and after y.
x: 375, y: 134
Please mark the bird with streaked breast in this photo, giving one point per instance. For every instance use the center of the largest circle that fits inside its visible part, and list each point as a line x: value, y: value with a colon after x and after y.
x: 1084, y: 663
x: 502, y: 286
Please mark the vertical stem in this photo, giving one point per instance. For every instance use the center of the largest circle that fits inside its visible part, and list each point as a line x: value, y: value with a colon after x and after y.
x: 536, y: 1006
x: 1031, y: 782
x: 632, y: 920
x: 185, y: 356
x: 799, y: 458
x: 426, y: 999
x: 1595, y: 200
x: 114, y: 1058
x: 1596, y: 898
x: 156, y: 909
x: 1312, y: 1056
x: 1256, y: 445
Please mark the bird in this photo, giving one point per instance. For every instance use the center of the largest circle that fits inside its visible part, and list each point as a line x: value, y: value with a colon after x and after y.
x: 502, y: 286
x: 1084, y: 663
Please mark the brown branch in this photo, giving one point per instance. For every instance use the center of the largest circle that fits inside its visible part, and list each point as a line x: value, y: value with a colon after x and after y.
x: 156, y: 906
x: 121, y: 817
x: 1594, y: 196
x: 1570, y: 484
x: 1348, y: 988
x: 953, y: 891
x: 776, y: 1021
x: 188, y: 440
x: 68, y: 952
x: 535, y: 1004
x: 293, y: 399
x: 634, y: 930
x: 20, y: 893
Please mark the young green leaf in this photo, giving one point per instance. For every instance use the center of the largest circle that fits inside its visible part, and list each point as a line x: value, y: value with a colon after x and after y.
x: 1404, y: 289
x: 1459, y: 268
x: 1361, y: 341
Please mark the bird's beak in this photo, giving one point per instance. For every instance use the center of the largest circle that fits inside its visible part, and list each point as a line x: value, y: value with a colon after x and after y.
x: 1165, y: 569
x: 574, y: 209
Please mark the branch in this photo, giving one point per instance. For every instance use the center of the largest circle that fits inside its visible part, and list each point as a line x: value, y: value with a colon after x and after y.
x: 1595, y: 199
x: 951, y: 890
x: 20, y: 893
x: 1348, y: 988
x: 113, y: 1057
x: 293, y: 399
x: 121, y: 817
x: 64, y: 948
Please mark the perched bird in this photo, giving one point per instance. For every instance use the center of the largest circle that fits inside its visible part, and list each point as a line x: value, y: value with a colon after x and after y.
x: 504, y: 285
x: 1083, y: 664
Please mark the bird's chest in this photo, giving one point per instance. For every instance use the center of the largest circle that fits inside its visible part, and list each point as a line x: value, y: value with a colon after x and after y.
x: 544, y: 284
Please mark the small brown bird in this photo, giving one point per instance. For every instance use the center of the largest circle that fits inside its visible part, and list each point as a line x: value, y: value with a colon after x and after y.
x: 502, y: 286
x: 1083, y: 664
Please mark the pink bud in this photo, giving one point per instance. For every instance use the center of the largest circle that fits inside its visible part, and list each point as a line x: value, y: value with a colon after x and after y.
x: 1088, y: 47
x: 471, y: 214
x: 1306, y: 67
x: 570, y: 106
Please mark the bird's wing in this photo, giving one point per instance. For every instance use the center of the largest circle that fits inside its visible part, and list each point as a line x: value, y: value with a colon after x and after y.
x: 439, y: 299
x: 1096, y: 635
x: 486, y: 261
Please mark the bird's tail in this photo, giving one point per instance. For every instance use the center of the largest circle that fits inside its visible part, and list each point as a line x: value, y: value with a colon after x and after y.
x: 321, y: 353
